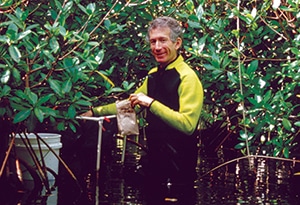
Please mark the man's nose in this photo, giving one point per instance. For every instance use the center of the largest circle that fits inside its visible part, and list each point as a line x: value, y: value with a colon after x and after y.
x: 157, y: 45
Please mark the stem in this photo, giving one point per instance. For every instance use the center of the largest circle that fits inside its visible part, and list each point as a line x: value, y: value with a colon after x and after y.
x: 240, y: 81
x: 249, y: 157
x: 96, y: 27
x: 11, y: 144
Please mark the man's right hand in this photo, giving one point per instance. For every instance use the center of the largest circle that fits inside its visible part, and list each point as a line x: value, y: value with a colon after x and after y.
x: 87, y: 114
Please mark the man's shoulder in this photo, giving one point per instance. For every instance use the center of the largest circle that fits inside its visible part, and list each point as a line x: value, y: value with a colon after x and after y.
x: 184, y: 69
x: 153, y: 70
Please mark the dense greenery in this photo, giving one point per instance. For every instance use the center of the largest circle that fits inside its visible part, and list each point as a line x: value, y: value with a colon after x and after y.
x: 57, y: 58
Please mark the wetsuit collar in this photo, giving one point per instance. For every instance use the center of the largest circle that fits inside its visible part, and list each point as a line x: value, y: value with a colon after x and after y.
x: 178, y: 58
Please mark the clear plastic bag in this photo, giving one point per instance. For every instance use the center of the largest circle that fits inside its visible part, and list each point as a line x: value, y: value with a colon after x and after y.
x: 126, y: 118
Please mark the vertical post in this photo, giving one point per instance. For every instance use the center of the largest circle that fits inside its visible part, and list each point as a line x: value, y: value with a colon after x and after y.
x: 124, y: 149
x: 99, y: 144
x: 100, y: 124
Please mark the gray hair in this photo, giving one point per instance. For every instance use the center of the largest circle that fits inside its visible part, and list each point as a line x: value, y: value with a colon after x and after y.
x: 166, y: 22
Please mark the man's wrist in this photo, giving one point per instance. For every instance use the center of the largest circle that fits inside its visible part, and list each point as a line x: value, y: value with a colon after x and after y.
x: 151, y: 103
x: 92, y: 111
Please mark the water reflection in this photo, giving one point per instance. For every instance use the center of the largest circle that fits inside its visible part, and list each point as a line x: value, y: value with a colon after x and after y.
x: 244, y: 181
x: 254, y: 181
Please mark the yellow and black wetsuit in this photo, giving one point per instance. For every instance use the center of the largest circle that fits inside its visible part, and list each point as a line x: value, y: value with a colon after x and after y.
x: 172, y: 120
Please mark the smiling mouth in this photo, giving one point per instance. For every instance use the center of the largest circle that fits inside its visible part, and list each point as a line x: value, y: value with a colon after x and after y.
x: 159, y: 54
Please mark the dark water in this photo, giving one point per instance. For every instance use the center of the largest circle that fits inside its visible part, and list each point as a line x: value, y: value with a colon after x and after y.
x: 244, y: 181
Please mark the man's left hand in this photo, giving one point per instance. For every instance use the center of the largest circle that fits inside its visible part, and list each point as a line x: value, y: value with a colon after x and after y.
x: 140, y: 99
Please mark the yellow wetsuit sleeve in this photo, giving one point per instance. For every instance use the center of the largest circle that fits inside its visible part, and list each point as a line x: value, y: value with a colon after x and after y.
x: 109, y: 109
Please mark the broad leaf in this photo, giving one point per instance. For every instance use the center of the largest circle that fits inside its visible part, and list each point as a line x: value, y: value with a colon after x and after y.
x: 55, y: 86
x: 39, y: 114
x: 21, y: 116
x: 14, y: 53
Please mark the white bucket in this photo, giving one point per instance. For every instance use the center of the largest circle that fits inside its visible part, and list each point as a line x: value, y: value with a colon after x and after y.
x: 51, y: 161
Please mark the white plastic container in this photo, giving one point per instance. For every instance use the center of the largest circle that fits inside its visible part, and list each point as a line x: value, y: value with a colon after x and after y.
x: 51, y: 161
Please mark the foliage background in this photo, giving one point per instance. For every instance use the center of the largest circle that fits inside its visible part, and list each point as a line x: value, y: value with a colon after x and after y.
x: 57, y: 58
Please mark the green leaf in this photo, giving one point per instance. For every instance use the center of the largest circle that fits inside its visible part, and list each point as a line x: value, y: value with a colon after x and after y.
x: 73, y: 128
x: 18, y: 105
x: 90, y: 9
x: 116, y: 89
x: 66, y: 86
x: 194, y: 24
x: 82, y: 8
x: 240, y: 145
x: 86, y: 37
x: 21, y: 14
x: 31, y: 96
x: 39, y: 114
x: 23, y: 34
x: 16, y: 21
x: 252, y: 67
x: 44, y: 99
x: 61, y: 126
x: 295, y: 51
x: 14, y: 53
x: 54, y: 45
x: 4, y: 39
x: 68, y: 62
x: 78, y: 95
x: 286, y: 152
x: 267, y: 96
x: 12, y: 30
x: 127, y: 86
x: 21, y: 116
x: 297, y: 123
x: 286, y: 124
x: 93, y: 43
x: 83, y: 103
x: 276, y: 152
x: 55, y: 86
x: 49, y: 111
x: 190, y: 5
x: 72, y: 111
x: 99, y: 57
x: 16, y: 74
x: 21, y: 94
x: 199, y: 12
x: 68, y: 6
x: 6, y: 3
x: 232, y: 77
x: 5, y: 76
x: 58, y: 5
x: 62, y: 31
x: 5, y: 90
x: 48, y: 55
x: 254, y: 101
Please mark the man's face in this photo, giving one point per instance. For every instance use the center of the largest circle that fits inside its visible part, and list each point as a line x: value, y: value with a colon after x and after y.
x: 163, y: 49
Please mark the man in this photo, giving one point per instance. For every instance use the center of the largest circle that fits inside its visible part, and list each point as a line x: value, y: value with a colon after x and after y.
x: 172, y: 96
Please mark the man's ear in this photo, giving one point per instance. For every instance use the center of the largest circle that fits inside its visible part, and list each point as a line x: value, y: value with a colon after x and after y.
x: 178, y: 43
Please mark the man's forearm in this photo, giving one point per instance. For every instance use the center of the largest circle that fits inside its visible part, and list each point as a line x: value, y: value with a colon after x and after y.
x: 109, y: 109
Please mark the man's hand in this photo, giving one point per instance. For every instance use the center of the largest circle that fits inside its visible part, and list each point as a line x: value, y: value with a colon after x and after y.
x: 140, y: 99
x: 87, y: 114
